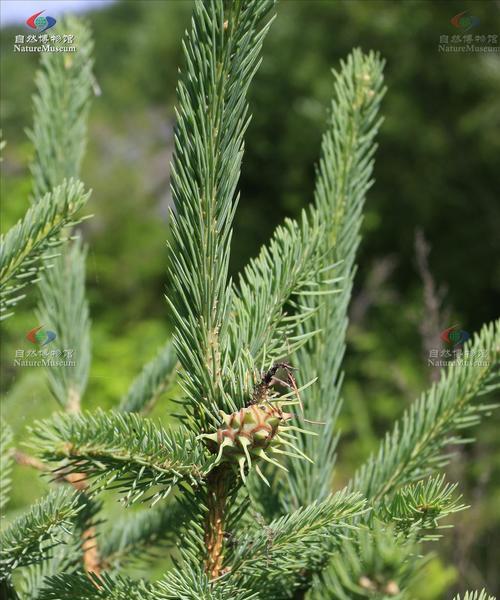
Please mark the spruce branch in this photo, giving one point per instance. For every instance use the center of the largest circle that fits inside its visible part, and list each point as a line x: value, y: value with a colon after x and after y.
x: 5, y: 463
x: 123, y: 451
x: 60, y: 109
x: 414, y: 448
x: 293, y: 543
x: 62, y: 303
x: 86, y: 548
x: 417, y: 509
x: 66, y: 557
x: 36, y: 233
x: 156, y: 376
x: 222, y: 54
x: 342, y: 179
x: 61, y: 105
x: 375, y: 563
x: 30, y: 537
x: 262, y: 330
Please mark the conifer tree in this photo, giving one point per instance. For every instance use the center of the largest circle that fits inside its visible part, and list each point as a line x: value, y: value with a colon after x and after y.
x: 242, y: 485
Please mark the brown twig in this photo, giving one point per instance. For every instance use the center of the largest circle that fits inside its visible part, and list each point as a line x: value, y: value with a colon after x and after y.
x: 91, y: 557
x: 25, y: 460
x: 214, y: 525
x: 90, y: 550
x: 77, y: 480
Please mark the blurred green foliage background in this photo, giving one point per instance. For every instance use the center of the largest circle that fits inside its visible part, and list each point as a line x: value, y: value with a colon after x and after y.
x: 436, y: 171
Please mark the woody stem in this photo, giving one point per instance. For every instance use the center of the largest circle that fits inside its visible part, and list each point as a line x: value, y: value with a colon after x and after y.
x: 91, y: 557
x: 214, y: 524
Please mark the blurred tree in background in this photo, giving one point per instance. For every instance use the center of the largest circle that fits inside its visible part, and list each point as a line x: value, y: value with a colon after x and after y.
x: 436, y: 171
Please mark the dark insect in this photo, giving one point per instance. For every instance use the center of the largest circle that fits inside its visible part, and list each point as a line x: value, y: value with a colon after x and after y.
x: 269, y: 378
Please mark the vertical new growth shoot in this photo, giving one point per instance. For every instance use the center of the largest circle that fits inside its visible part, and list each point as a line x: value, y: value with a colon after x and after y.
x: 222, y: 54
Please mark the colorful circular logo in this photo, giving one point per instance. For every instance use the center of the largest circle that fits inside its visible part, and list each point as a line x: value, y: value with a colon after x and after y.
x: 454, y: 336
x: 39, y: 22
x: 40, y: 337
x: 464, y: 21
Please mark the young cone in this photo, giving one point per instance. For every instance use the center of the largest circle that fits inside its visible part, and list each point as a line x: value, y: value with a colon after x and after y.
x: 254, y: 433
